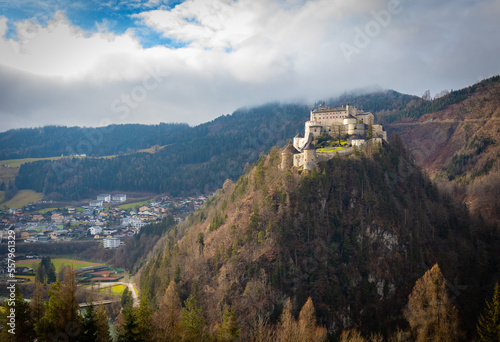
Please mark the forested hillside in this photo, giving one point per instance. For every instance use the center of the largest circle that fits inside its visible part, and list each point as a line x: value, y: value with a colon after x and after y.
x: 53, y: 141
x: 197, y: 160
x: 459, y: 145
x: 354, y: 236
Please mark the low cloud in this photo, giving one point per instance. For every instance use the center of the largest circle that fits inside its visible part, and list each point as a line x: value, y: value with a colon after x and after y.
x: 240, y: 53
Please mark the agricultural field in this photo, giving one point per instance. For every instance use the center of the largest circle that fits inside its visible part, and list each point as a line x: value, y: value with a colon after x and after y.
x: 58, y: 263
x: 22, y: 198
x: 130, y: 206
x: 115, y: 290
x: 16, y: 163
x: 153, y: 149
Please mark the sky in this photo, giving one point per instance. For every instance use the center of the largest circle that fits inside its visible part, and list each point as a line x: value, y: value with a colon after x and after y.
x: 94, y: 63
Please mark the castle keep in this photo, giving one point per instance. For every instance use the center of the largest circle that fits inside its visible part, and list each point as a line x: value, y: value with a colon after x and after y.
x: 348, y: 122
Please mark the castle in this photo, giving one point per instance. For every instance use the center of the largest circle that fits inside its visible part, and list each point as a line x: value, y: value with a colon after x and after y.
x: 342, y: 121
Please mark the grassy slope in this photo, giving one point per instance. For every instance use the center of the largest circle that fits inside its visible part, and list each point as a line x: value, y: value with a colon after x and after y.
x: 129, y: 206
x: 22, y: 198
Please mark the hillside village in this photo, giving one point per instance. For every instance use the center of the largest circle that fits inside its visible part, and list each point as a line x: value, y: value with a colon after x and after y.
x: 352, y: 128
x: 98, y: 222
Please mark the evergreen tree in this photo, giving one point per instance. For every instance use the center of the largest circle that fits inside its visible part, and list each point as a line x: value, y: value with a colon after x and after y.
x: 144, y: 320
x: 102, y: 324
x: 23, y: 330
x: 228, y: 330
x: 130, y: 328
x: 430, y: 313
x: 89, y: 323
x: 488, y: 326
x: 126, y: 299
x: 193, y: 321
x: 61, y: 319
x: 46, y: 271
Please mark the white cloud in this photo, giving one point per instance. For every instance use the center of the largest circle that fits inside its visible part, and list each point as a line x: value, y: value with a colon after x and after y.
x: 240, y: 53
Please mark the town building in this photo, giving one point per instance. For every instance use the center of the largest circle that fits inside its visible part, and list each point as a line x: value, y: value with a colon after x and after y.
x: 111, y: 242
x: 96, y: 203
x: 119, y: 198
x: 104, y: 197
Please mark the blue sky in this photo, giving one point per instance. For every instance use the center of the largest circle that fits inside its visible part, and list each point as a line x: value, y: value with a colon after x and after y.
x: 92, y: 63
x: 92, y: 16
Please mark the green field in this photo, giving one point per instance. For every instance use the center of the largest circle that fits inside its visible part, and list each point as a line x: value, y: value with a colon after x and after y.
x: 46, y: 210
x: 31, y: 278
x: 22, y: 198
x: 76, y: 264
x: 2, y: 196
x: 19, y: 162
x: 116, y: 290
x: 129, y: 206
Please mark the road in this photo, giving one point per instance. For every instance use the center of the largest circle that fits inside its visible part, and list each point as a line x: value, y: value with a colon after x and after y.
x: 130, y: 286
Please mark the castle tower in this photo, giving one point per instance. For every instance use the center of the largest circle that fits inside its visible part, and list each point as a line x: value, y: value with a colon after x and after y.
x: 310, y: 158
x: 287, y: 157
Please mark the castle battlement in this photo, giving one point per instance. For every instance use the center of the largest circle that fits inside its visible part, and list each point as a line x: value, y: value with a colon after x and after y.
x: 357, y: 126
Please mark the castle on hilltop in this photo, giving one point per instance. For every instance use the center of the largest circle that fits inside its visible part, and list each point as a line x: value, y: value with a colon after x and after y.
x: 343, y: 122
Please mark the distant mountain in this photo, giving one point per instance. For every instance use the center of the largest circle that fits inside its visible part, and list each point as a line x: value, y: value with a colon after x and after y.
x: 195, y: 160
x: 458, y: 145
x: 53, y: 141
x: 353, y: 235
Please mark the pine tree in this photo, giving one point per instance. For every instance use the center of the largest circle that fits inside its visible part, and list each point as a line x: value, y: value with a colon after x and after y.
x: 130, y: 328
x: 228, y: 330
x: 488, y: 326
x: 46, y: 271
x: 61, y: 319
x: 89, y: 323
x: 431, y: 315
x: 23, y: 330
x: 192, y: 321
x: 102, y: 324
x: 126, y: 299
x: 144, y: 320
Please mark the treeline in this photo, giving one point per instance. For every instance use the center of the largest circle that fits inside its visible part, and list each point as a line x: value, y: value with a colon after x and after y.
x: 53, y: 141
x: 197, y: 161
x: 417, y: 108
x: 53, y: 248
x: 430, y: 313
x: 374, y: 102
